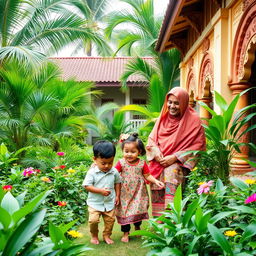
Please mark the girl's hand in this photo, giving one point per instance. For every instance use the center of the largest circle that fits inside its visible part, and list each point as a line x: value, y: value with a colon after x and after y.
x: 168, y: 160
x: 158, y: 158
x: 117, y: 201
x: 159, y: 183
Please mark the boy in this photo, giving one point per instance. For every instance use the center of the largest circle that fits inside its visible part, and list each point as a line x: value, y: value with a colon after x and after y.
x: 103, y: 184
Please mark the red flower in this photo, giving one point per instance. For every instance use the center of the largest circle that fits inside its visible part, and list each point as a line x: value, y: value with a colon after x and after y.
x: 62, y: 203
x: 60, y: 153
x: 62, y: 166
x: 37, y: 170
x: 7, y: 187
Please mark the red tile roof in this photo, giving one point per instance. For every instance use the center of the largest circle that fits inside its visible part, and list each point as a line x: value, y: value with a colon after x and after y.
x: 97, y: 69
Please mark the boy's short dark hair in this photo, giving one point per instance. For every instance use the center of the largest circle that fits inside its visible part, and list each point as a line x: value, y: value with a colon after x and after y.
x: 104, y: 149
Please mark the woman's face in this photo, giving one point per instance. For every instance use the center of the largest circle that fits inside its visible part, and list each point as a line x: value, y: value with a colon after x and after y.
x: 173, y: 105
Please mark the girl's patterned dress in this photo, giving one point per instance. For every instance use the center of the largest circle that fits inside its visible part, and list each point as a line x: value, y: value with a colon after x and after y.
x: 134, y: 199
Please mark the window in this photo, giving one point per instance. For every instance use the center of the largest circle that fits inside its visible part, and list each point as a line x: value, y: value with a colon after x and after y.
x: 139, y: 102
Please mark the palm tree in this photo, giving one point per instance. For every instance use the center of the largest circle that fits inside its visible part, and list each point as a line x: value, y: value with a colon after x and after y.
x: 29, y: 30
x: 106, y: 128
x: 141, y: 40
x: 39, y: 108
x: 94, y: 12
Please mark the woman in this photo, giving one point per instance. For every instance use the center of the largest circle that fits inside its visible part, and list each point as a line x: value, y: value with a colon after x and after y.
x: 177, y: 130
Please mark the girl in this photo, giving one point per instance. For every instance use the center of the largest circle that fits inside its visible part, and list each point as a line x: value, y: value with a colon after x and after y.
x: 134, y: 200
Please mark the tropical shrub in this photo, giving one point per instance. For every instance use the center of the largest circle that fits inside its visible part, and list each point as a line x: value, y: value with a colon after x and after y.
x: 219, y: 221
x: 20, y: 224
x: 224, y: 132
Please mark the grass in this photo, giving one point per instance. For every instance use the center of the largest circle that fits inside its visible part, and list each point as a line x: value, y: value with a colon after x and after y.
x: 118, y: 248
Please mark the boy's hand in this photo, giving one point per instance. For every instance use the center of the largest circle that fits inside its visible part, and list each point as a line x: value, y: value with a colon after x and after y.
x: 117, y: 201
x: 159, y: 184
x: 105, y: 192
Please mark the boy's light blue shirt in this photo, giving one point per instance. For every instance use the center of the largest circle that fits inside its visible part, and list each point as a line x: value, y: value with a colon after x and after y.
x: 99, y: 179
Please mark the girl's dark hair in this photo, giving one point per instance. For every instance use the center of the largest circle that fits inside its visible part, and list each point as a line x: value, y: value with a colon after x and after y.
x: 134, y: 137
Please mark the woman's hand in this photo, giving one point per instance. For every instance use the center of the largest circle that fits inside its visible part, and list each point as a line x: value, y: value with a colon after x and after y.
x: 168, y: 160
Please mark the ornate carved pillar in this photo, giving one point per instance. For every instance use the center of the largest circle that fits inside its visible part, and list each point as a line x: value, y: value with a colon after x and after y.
x: 238, y: 164
x: 203, y: 113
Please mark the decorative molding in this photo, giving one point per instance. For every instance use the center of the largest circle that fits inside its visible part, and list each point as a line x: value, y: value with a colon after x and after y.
x: 244, y: 45
x: 206, y: 45
x: 206, y: 77
x: 247, y: 3
x: 190, y: 63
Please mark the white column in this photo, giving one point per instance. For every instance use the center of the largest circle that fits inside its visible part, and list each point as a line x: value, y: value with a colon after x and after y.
x: 127, y: 102
x: 221, y: 56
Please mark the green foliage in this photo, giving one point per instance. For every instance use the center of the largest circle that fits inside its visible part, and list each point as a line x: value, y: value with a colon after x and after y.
x: 19, y: 226
x: 214, y: 223
x: 224, y: 132
x: 41, y: 27
x: 37, y: 108
x: 105, y: 128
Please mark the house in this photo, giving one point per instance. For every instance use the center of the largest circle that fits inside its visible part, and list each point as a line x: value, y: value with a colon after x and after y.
x: 106, y: 73
x: 217, y: 40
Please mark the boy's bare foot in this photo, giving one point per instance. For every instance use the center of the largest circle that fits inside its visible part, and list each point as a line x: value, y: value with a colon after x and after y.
x: 95, y: 240
x: 125, y: 239
x: 108, y: 240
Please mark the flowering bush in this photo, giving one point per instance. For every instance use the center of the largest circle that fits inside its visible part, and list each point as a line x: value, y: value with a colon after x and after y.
x: 217, y: 222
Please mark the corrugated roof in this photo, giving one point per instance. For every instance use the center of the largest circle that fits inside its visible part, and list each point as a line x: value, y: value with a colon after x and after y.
x: 96, y: 69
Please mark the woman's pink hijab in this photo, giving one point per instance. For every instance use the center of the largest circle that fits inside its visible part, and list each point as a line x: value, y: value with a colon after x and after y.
x: 173, y: 134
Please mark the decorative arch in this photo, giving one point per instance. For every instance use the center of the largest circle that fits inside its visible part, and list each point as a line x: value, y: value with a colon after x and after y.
x: 206, y: 77
x: 244, y: 47
x: 191, y: 84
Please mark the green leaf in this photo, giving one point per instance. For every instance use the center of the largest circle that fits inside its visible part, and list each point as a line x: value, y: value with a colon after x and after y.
x: 10, y: 203
x: 220, y: 239
x: 220, y: 101
x: 30, y: 206
x: 192, y: 245
x: 177, y: 201
x: 220, y: 216
x: 23, y: 233
x: 189, y: 212
x: 5, y: 218
x: 65, y: 227
x: 248, y: 232
x: 20, y: 198
x: 239, y: 183
x: 244, y: 209
x: 58, y: 237
x: 147, y: 234
x: 75, y: 250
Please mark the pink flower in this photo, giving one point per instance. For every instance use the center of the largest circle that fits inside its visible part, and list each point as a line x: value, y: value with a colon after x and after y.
x: 250, y: 199
x: 60, y: 153
x: 7, y: 187
x: 28, y: 172
x: 205, y: 187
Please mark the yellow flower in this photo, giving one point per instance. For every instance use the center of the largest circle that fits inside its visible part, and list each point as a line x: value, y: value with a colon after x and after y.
x: 230, y: 233
x: 194, y: 169
x: 175, y: 171
x: 250, y: 181
x: 201, y: 183
x: 71, y: 171
x: 75, y: 234
x: 45, y: 179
